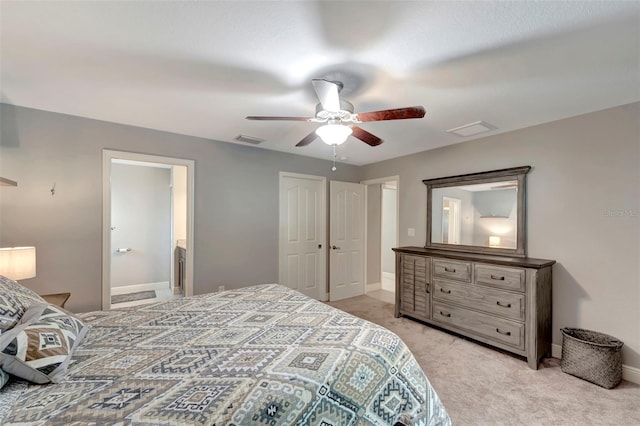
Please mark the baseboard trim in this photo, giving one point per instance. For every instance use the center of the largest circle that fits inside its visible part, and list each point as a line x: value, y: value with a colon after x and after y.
x: 388, y: 275
x: 389, y: 281
x: 630, y: 374
x: 140, y: 287
x: 372, y: 287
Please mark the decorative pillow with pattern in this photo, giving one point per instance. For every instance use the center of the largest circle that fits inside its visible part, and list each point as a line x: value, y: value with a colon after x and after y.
x: 40, y: 347
x: 14, y: 302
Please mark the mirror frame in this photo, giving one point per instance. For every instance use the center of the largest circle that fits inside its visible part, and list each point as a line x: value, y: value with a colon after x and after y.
x: 514, y: 173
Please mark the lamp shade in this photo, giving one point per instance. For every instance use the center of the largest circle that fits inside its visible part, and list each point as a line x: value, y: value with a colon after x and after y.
x: 334, y: 134
x: 18, y: 263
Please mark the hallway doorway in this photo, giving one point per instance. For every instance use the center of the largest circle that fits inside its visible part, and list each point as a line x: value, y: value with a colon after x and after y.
x: 382, y: 235
x: 147, y: 228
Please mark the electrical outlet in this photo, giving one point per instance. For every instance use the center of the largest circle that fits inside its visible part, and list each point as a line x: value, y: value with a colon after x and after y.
x: 411, y: 232
x: 221, y: 288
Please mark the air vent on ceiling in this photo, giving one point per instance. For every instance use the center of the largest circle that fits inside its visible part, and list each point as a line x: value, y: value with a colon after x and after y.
x: 472, y: 129
x: 249, y: 139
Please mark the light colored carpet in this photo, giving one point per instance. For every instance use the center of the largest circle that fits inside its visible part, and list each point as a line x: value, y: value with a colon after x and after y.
x: 130, y: 297
x: 482, y: 386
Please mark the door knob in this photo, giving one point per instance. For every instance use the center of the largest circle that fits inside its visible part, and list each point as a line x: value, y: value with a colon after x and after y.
x: 335, y: 248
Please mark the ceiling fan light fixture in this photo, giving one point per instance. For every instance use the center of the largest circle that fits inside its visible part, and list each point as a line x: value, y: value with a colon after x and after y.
x: 334, y: 134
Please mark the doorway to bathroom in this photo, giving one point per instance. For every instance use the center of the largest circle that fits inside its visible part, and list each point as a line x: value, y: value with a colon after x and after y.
x: 147, y: 228
x: 382, y: 235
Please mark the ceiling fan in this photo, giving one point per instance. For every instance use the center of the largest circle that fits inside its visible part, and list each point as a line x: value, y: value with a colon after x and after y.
x: 340, y: 119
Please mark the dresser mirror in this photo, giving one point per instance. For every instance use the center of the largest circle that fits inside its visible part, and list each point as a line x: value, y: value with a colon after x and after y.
x: 479, y: 212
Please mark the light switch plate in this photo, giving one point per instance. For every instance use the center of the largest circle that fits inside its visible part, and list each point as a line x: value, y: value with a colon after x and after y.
x: 411, y: 232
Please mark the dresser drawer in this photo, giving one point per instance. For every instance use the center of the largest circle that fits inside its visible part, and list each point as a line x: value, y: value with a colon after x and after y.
x: 455, y: 270
x: 509, y: 305
x: 501, y: 277
x: 487, y: 326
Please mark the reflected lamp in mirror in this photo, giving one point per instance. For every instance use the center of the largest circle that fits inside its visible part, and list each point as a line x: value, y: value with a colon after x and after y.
x: 478, y: 212
x: 18, y: 263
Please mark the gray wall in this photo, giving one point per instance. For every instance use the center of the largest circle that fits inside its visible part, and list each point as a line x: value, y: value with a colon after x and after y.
x: 141, y: 218
x: 236, y: 200
x: 583, y: 205
x: 583, y: 201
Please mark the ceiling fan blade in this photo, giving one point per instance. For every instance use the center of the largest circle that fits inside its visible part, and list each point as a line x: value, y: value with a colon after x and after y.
x: 308, y: 139
x: 392, y: 114
x: 327, y: 92
x: 265, y: 118
x: 365, y: 136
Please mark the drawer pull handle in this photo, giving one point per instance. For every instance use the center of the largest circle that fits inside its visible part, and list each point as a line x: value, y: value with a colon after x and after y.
x: 426, y: 288
x: 497, y: 278
x: 508, y: 305
x: 449, y: 270
x: 445, y: 315
x: 506, y: 333
x: 445, y: 291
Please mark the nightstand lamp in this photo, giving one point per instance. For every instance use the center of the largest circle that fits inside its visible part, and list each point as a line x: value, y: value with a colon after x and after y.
x: 18, y: 263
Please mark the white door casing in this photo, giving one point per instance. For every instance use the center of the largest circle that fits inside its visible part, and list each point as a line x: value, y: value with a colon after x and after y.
x: 388, y: 235
x: 347, y: 238
x: 452, y: 208
x: 302, y: 234
x: 107, y: 157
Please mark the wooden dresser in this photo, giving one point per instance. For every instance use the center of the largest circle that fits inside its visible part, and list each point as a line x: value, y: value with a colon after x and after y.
x: 501, y: 301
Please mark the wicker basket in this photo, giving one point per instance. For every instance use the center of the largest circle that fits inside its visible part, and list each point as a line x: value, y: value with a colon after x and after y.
x: 592, y: 356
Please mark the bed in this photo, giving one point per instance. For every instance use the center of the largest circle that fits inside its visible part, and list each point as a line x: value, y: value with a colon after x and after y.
x: 261, y: 355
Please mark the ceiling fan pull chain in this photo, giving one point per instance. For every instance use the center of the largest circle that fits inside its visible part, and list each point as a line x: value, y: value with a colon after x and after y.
x: 334, y: 157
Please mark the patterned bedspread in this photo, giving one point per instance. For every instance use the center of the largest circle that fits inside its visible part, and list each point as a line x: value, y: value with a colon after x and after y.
x: 263, y: 355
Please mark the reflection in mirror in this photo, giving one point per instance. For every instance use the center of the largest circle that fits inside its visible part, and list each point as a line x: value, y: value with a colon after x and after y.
x: 481, y: 212
x: 477, y: 215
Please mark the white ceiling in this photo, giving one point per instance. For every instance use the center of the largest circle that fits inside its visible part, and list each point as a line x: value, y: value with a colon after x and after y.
x: 198, y: 68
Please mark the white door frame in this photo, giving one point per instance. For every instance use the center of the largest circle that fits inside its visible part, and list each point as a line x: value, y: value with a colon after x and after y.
x: 379, y: 181
x: 107, y: 156
x: 323, y: 228
x: 454, y: 220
